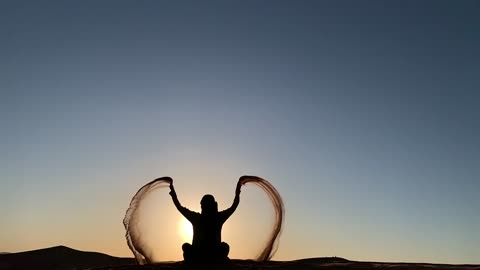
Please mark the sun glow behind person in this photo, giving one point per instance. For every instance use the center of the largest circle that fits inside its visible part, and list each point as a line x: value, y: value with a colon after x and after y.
x: 185, y: 230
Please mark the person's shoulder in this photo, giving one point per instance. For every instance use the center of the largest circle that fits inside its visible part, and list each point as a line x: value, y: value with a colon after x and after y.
x: 223, y: 213
x: 193, y: 213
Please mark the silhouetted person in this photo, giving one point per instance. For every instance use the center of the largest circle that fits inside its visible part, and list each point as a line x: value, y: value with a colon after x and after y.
x: 207, y: 245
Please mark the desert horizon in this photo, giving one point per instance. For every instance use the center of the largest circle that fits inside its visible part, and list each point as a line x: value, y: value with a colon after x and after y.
x: 65, y: 258
x: 273, y: 134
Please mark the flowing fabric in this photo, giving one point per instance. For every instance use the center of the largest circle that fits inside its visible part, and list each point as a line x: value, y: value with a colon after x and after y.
x: 144, y: 252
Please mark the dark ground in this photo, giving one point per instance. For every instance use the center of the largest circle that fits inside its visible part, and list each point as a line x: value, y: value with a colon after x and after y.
x: 63, y: 258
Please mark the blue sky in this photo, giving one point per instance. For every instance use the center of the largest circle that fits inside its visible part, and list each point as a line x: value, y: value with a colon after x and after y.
x: 363, y: 114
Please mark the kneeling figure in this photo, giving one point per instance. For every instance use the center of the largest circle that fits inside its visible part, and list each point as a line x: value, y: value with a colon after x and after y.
x: 207, y: 245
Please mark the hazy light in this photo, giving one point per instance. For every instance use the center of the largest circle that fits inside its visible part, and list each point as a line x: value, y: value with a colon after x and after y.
x: 185, y: 230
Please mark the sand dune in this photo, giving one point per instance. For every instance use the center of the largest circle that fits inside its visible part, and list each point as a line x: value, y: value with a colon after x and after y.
x: 59, y: 258
x: 63, y: 258
x: 313, y: 263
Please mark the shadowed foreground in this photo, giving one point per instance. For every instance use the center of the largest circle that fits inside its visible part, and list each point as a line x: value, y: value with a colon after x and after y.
x: 313, y: 263
x: 63, y: 258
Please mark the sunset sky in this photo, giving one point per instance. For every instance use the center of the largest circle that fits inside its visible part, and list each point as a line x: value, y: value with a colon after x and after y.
x: 365, y: 115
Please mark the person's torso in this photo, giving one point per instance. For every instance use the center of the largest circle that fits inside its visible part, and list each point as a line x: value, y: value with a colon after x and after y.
x: 207, y: 230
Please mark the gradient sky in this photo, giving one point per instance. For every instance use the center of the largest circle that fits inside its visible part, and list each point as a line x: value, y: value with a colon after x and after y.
x: 364, y: 114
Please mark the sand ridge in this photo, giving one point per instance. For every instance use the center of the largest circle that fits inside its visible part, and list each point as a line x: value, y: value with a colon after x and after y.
x: 63, y: 258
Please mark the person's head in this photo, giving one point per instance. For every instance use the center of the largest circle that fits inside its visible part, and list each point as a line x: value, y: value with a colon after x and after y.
x: 209, y: 205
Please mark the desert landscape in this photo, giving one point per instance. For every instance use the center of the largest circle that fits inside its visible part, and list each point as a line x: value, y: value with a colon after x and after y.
x: 65, y: 258
x: 261, y: 134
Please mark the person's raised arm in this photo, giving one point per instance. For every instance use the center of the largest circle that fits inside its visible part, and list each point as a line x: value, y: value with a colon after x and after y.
x: 183, y: 210
x: 228, y: 212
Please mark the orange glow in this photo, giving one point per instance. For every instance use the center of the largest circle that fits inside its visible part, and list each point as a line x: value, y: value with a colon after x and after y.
x: 185, y: 230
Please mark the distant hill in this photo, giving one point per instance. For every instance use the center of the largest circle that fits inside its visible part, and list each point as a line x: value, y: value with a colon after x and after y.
x: 59, y: 258
x: 64, y: 258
